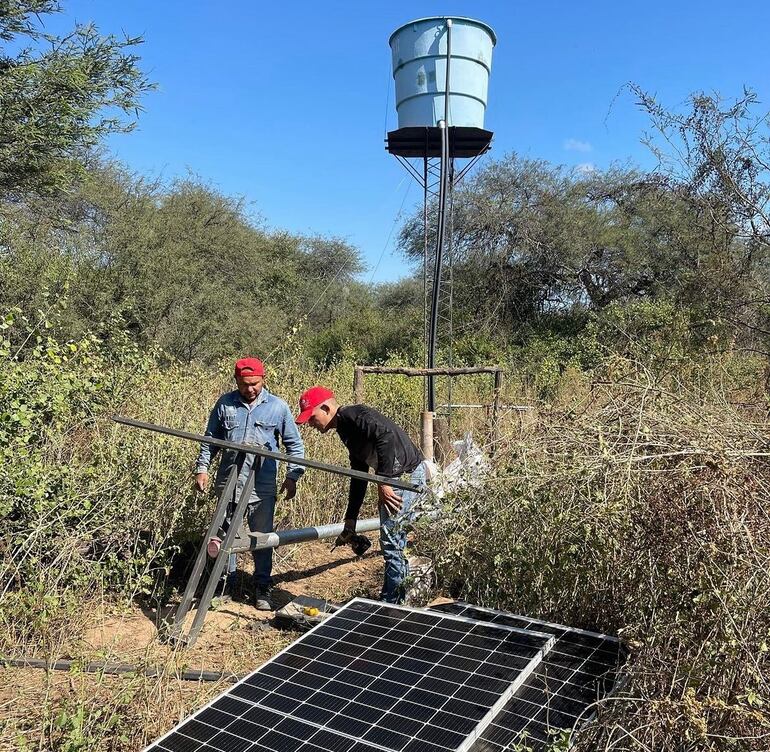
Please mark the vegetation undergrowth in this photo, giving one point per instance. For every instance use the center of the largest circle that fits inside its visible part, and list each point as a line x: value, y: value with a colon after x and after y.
x: 638, y: 504
x: 633, y: 500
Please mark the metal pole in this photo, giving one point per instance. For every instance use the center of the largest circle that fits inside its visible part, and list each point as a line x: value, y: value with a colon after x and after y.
x: 450, y: 274
x: 448, y: 61
x: 303, y: 534
x: 224, y: 554
x: 425, y: 306
x: 447, y: 192
x: 261, y: 452
x: 437, y: 265
x: 442, y: 196
x: 200, y: 562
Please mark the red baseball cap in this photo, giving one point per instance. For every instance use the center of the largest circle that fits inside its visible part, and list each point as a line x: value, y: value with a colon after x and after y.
x: 249, y: 367
x: 310, y: 400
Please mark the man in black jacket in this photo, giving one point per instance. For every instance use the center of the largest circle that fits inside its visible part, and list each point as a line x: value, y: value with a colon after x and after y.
x: 376, y: 442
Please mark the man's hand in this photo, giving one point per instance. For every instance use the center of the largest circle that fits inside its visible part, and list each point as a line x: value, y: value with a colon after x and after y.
x: 290, y: 488
x: 201, y: 482
x: 346, y: 535
x: 389, y: 499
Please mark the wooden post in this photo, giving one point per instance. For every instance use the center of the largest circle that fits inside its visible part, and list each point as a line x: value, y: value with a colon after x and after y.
x: 441, y: 446
x: 427, y: 435
x: 358, y: 385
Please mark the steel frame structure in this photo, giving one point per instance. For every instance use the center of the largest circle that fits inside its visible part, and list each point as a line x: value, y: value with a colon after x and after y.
x: 232, y: 509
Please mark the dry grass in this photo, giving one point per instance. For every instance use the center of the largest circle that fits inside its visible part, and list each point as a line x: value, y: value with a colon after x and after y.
x: 82, y: 711
x: 638, y: 506
x: 632, y: 502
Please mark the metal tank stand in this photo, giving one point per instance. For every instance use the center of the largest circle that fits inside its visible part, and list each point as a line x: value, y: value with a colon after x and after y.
x: 176, y: 634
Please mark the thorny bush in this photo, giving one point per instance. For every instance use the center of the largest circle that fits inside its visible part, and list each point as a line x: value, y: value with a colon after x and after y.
x: 639, y: 507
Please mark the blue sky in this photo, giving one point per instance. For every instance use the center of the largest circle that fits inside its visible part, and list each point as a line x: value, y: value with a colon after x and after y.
x: 287, y: 104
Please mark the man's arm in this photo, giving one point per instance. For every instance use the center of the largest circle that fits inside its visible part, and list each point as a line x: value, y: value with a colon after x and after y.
x: 356, y: 493
x: 207, y: 452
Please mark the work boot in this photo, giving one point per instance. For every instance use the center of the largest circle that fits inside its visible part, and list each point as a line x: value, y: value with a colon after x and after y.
x: 263, y: 600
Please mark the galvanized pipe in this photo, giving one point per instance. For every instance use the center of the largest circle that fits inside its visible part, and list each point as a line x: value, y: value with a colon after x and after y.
x: 444, y: 187
x: 262, y: 452
x: 302, y: 535
x: 448, y: 62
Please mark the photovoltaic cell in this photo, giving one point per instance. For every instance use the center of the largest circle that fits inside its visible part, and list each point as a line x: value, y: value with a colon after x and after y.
x: 371, y: 677
x: 560, y: 694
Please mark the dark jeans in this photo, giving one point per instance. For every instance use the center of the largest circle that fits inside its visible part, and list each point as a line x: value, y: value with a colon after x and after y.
x: 259, y: 516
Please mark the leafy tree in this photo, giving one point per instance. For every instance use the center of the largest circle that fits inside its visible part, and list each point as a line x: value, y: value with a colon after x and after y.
x: 531, y: 240
x: 179, y: 266
x: 59, y: 96
x: 183, y: 266
x: 715, y: 155
x: 327, y: 269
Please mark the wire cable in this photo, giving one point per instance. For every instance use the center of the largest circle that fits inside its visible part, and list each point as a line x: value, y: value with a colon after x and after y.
x: 390, y: 234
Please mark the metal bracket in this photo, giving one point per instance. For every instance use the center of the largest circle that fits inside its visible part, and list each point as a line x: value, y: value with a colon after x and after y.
x: 177, y: 634
x: 233, y: 541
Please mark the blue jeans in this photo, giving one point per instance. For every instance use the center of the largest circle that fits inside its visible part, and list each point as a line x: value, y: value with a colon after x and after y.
x: 393, y: 540
x: 259, y: 516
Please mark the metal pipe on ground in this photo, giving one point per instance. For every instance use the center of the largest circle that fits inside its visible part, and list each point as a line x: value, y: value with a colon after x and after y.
x: 302, y: 535
x: 102, y: 667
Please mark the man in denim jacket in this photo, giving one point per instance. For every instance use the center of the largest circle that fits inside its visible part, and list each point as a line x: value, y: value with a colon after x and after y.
x: 251, y: 415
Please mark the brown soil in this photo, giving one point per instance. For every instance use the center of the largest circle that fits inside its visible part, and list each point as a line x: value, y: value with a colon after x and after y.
x: 311, y: 569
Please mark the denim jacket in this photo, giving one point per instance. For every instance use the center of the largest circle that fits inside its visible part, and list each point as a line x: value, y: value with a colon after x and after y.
x: 263, y: 423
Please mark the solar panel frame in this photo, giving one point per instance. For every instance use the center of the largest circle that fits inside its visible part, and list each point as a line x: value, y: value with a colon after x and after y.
x: 549, y: 697
x: 263, y: 688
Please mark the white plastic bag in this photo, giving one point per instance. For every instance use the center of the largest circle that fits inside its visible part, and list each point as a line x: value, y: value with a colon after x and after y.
x: 469, y: 469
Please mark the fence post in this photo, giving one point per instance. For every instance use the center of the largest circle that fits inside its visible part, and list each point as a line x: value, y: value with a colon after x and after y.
x: 358, y: 385
x: 495, y: 432
x: 441, y: 443
x: 427, y: 435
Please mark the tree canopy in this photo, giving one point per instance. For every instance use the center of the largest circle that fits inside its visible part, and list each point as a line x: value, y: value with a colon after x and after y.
x: 59, y: 96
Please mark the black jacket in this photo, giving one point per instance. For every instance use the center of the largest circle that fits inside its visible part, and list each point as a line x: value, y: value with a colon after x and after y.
x: 375, y: 442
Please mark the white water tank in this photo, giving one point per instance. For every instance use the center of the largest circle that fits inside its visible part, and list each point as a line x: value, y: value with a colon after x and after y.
x: 419, y: 68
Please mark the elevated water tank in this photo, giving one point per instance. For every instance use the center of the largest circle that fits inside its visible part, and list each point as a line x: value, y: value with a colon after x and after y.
x: 420, y: 64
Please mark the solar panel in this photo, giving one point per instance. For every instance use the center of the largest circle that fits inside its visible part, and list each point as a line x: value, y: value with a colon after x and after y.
x: 371, y: 677
x: 560, y: 694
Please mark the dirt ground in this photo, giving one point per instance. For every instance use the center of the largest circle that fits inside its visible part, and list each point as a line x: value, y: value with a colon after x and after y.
x: 310, y: 569
x: 236, y: 638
